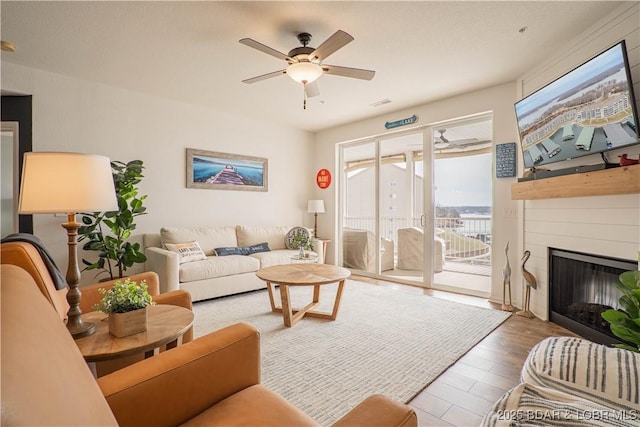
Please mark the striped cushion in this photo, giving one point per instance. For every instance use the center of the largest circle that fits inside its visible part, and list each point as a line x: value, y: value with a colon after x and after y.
x: 606, y: 375
x: 530, y: 405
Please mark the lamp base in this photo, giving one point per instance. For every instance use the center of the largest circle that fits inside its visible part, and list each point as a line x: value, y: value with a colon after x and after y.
x: 84, y: 329
x: 75, y: 325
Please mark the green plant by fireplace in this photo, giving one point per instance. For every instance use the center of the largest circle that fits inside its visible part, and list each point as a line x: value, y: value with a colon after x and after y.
x: 108, y: 232
x: 625, y: 322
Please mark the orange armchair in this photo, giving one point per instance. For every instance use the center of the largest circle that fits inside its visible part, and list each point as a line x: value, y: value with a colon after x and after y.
x: 24, y: 255
x: 212, y: 381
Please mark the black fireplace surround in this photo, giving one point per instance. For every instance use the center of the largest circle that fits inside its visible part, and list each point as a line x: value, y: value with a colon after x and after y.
x: 581, y: 287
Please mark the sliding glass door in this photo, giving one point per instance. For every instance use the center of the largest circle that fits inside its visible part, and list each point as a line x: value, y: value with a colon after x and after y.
x: 383, y: 201
x: 402, y: 207
x: 462, y: 168
x: 416, y: 206
x: 359, y: 207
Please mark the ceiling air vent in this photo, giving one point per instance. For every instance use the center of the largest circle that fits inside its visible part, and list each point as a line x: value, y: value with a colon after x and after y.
x: 379, y: 103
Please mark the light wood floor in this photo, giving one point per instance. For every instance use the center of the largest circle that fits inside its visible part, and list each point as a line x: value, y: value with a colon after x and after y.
x: 465, y: 391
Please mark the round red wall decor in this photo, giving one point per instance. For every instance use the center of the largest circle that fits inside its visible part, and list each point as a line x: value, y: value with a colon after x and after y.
x: 323, y: 178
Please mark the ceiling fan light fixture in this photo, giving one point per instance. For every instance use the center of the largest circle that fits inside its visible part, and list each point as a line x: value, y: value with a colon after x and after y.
x: 304, y: 72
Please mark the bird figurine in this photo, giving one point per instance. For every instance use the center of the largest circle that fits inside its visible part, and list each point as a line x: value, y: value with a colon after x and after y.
x: 506, y: 282
x: 530, y: 282
x: 626, y: 161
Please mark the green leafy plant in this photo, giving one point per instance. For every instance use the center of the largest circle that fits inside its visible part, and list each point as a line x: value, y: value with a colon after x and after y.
x: 301, y: 239
x: 108, y: 232
x: 123, y: 297
x: 625, y: 322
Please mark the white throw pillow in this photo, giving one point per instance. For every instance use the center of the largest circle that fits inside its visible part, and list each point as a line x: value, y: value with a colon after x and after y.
x: 190, y: 251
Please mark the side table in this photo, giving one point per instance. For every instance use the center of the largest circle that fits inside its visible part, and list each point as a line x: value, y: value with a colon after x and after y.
x: 322, y: 249
x: 165, y: 324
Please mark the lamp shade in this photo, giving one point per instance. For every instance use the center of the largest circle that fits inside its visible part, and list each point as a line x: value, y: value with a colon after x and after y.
x: 304, y: 72
x: 54, y: 182
x: 315, y: 206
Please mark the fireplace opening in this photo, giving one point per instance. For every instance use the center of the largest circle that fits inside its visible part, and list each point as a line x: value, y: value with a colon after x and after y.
x: 581, y: 287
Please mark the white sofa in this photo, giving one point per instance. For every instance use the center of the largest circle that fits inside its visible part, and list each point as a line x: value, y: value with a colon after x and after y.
x: 215, y: 276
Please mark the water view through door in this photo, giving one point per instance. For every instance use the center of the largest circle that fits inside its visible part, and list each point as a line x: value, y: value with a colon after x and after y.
x: 391, y: 200
x: 463, y: 165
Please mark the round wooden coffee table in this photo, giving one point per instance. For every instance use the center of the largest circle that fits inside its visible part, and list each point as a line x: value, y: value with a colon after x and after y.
x: 303, y: 275
x: 165, y: 324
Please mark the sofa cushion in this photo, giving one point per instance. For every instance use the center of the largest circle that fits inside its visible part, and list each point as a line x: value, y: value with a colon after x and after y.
x: 188, y: 252
x: 217, y: 266
x: 253, y: 235
x: 283, y: 256
x: 208, y: 237
x: 583, y: 368
x: 530, y: 405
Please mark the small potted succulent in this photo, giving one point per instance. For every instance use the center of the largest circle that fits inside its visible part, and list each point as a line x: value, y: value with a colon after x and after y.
x: 126, y: 304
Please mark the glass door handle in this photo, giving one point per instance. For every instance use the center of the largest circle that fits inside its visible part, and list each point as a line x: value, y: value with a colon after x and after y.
x: 422, y: 221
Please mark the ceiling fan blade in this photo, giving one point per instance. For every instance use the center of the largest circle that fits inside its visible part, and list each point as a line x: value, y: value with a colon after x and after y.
x: 356, y: 73
x: 266, y: 49
x: 312, y: 89
x: 468, y: 141
x: 265, y: 76
x: 338, y: 40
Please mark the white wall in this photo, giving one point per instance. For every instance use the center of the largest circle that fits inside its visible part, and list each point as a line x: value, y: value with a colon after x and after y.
x: 603, y: 225
x: 499, y: 100
x: 75, y: 115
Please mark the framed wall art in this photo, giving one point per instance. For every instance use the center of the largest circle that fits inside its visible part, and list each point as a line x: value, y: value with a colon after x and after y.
x: 223, y: 171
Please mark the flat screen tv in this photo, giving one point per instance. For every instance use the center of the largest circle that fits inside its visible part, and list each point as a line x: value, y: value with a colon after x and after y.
x: 591, y: 109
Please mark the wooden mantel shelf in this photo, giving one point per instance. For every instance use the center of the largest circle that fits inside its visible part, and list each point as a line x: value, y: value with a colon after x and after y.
x: 622, y: 180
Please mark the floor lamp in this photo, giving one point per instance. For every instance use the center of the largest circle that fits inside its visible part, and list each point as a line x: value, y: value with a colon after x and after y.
x: 315, y: 207
x: 68, y: 183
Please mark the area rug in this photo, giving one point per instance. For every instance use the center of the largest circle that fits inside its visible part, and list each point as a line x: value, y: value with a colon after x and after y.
x: 384, y: 340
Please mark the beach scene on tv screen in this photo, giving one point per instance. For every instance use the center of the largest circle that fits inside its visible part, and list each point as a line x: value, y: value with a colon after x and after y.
x: 589, y: 110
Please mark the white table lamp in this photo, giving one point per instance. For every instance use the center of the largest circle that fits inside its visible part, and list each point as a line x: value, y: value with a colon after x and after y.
x: 68, y: 183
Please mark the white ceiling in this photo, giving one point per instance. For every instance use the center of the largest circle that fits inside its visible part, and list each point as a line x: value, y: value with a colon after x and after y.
x: 189, y: 51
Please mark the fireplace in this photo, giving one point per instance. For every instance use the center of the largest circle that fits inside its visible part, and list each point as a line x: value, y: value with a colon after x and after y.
x: 581, y: 286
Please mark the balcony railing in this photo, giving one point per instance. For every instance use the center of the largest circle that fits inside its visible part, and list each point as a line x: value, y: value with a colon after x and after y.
x: 467, y: 239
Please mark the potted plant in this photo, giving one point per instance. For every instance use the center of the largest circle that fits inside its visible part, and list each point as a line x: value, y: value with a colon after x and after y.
x: 625, y: 322
x: 126, y: 304
x: 115, y: 253
x: 302, y: 242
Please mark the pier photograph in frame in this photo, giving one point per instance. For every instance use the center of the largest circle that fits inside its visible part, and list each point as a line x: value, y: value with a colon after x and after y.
x: 223, y: 171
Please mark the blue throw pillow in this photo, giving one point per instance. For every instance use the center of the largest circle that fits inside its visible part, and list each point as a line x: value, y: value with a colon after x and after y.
x: 260, y: 247
x: 229, y: 251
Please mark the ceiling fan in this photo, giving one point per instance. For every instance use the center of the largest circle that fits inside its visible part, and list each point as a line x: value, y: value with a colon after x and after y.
x: 305, y: 63
x: 442, y: 142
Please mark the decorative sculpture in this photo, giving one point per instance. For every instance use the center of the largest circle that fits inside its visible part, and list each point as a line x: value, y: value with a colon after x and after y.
x: 625, y: 161
x: 530, y: 282
x: 506, y: 282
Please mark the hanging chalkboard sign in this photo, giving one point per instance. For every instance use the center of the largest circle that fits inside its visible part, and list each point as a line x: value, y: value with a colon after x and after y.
x: 506, y: 160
